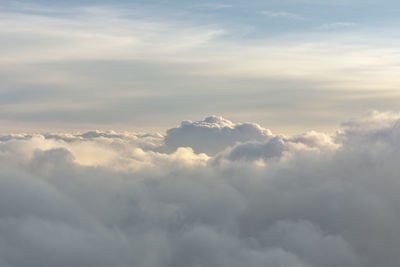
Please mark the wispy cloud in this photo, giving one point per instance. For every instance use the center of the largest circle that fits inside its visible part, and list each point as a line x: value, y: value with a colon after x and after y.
x: 214, y: 6
x: 79, y: 56
x: 337, y: 25
x: 281, y: 14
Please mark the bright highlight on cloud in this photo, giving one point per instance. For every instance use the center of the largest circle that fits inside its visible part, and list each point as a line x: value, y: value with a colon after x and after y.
x: 205, y: 193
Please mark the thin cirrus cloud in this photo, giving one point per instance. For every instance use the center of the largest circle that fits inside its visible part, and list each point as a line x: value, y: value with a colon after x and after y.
x: 214, y: 6
x: 98, y: 63
x: 109, y: 198
x: 281, y: 14
x: 336, y: 25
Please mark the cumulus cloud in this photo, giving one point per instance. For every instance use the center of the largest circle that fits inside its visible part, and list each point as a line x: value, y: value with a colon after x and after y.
x: 197, y: 196
x: 213, y: 134
x: 273, y: 148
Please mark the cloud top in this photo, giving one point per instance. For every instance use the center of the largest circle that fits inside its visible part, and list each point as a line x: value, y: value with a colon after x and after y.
x: 213, y: 134
x: 207, y: 193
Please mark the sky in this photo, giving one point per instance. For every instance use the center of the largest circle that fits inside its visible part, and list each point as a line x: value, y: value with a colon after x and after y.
x: 291, y: 65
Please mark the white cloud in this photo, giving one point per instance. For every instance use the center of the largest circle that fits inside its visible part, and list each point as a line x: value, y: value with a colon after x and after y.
x: 98, y: 34
x: 94, y: 33
x: 60, y: 69
x: 335, y: 25
x: 214, y: 6
x: 321, y: 201
x: 213, y: 134
x: 281, y: 14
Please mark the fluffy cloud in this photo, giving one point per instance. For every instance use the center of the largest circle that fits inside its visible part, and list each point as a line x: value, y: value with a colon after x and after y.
x: 213, y: 134
x: 198, y: 196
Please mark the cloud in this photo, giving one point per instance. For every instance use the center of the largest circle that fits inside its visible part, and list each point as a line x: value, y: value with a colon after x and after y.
x: 214, y: 6
x: 58, y: 68
x: 318, y: 200
x: 274, y: 148
x: 281, y: 14
x: 336, y: 25
x: 213, y: 134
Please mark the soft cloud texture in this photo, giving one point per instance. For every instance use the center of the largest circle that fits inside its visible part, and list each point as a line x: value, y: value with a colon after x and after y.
x: 91, y: 64
x: 258, y: 199
x: 213, y: 134
x: 280, y: 14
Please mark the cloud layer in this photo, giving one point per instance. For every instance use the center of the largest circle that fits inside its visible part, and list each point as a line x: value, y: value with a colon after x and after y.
x: 60, y: 61
x: 207, y: 193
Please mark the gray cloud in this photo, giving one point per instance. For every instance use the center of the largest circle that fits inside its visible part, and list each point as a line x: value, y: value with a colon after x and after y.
x: 250, y: 151
x: 113, y: 199
x: 213, y: 134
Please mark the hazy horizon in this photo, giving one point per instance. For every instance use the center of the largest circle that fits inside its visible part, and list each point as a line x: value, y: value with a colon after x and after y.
x: 289, y: 65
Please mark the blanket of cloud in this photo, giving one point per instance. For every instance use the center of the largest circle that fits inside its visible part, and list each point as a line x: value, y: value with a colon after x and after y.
x: 206, y: 193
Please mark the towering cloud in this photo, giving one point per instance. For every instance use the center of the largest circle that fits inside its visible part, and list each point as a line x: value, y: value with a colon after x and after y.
x: 208, y: 193
x: 213, y: 134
